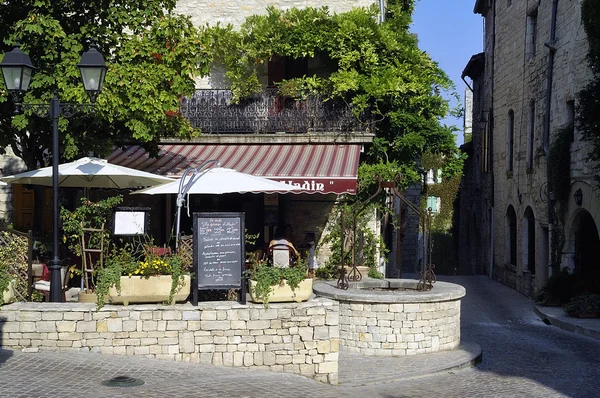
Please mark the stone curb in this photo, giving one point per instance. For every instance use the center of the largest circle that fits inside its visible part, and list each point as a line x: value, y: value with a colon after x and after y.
x: 465, y: 356
x: 555, y: 316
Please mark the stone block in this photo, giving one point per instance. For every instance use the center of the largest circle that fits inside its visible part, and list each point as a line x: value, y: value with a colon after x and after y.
x: 269, y: 358
x: 86, y: 326
x: 176, y: 325
x: 208, y: 315
x: 69, y: 336
x: 114, y: 324
x: 227, y: 358
x: 238, y: 359
x: 190, y: 315
x: 42, y: 326
x: 52, y: 316
x: 327, y: 367
x: 254, y: 324
x: 283, y: 359
x: 171, y: 315
x: 29, y: 316
x: 27, y: 327
x: 238, y: 325
x: 215, y: 325
x: 149, y: 341
x: 248, y: 359
x: 321, y: 333
x: 73, y: 316
x: 130, y: 325
x: 65, y: 326
x: 149, y: 325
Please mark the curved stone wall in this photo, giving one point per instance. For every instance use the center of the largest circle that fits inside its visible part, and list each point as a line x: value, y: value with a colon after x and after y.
x: 375, y: 320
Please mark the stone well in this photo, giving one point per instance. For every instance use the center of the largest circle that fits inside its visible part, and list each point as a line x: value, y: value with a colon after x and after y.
x: 390, y: 317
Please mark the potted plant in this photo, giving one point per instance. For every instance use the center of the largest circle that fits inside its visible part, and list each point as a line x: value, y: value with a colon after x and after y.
x: 274, y: 284
x: 586, y: 305
x: 93, y: 215
x: 131, y: 276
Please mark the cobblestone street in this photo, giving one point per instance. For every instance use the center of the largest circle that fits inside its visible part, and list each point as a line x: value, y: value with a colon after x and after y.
x: 522, y: 356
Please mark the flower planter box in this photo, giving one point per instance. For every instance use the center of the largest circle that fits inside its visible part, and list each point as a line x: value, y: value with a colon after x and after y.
x: 155, y: 289
x: 284, y: 293
x: 8, y: 294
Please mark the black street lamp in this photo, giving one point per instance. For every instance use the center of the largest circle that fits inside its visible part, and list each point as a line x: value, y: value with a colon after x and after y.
x: 17, y: 70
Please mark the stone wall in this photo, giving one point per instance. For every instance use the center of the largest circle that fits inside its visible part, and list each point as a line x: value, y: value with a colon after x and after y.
x: 391, y: 317
x: 235, y: 12
x: 399, y: 329
x: 301, y: 338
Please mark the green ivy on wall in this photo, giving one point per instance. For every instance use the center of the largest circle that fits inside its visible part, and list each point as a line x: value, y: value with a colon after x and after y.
x: 588, y: 104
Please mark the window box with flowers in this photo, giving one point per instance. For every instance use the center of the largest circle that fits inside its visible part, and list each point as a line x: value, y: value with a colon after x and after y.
x: 130, y: 276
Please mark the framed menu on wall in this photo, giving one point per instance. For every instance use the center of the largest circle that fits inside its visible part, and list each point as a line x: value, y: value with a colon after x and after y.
x: 131, y: 221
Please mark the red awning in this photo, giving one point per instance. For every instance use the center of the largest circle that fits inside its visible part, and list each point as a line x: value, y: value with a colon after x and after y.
x: 316, y: 168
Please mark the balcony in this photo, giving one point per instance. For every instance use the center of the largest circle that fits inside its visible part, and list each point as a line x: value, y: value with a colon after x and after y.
x: 212, y: 112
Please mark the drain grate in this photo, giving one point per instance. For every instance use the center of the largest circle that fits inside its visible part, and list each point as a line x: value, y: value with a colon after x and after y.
x: 123, y: 381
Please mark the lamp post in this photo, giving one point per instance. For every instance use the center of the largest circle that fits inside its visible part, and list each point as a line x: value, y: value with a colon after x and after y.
x: 17, y: 70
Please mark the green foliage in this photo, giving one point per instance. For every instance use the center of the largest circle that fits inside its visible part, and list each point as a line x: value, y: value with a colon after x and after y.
x: 447, y: 190
x: 588, y: 101
x: 141, y: 261
x: 376, y: 68
x: 88, y: 215
x: 266, y: 277
x: 152, y: 56
x: 584, y: 305
x: 373, y: 273
x: 368, y: 244
x: 11, y: 264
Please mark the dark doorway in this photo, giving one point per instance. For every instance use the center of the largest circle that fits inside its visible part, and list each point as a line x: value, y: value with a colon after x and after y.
x: 587, y: 244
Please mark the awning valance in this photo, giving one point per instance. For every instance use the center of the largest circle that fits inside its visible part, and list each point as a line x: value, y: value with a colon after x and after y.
x: 316, y: 168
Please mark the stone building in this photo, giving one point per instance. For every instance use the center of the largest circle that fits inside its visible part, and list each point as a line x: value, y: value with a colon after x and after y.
x: 525, y: 86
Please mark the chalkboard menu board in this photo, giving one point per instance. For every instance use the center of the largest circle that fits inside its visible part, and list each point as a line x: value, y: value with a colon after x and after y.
x: 219, y: 252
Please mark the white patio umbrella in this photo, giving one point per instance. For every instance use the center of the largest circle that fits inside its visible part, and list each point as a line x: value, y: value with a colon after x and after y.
x: 216, y: 180
x: 2, y: 183
x: 89, y: 173
x: 219, y: 180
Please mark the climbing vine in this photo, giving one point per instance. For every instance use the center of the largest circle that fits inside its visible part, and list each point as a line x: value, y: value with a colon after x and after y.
x: 447, y: 189
x: 588, y: 104
x: 377, y: 69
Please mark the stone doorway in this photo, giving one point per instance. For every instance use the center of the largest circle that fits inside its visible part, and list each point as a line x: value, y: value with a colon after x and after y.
x: 587, y: 243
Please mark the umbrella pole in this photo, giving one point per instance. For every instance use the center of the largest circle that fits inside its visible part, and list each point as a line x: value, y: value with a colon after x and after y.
x: 183, y: 190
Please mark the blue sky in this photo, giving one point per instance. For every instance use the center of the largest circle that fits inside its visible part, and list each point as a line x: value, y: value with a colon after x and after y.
x: 450, y: 33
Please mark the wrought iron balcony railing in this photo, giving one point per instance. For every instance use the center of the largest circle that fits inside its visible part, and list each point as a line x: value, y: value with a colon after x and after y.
x: 268, y: 112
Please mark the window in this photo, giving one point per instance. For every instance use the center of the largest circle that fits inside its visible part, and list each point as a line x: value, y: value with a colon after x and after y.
x: 485, y: 148
x: 508, y: 3
x: 531, y: 34
x: 433, y: 203
x: 510, y: 139
x: 511, y: 224
x: 530, y: 134
x: 529, y: 240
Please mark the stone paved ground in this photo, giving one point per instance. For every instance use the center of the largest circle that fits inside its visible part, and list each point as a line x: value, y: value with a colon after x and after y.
x: 521, y: 357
